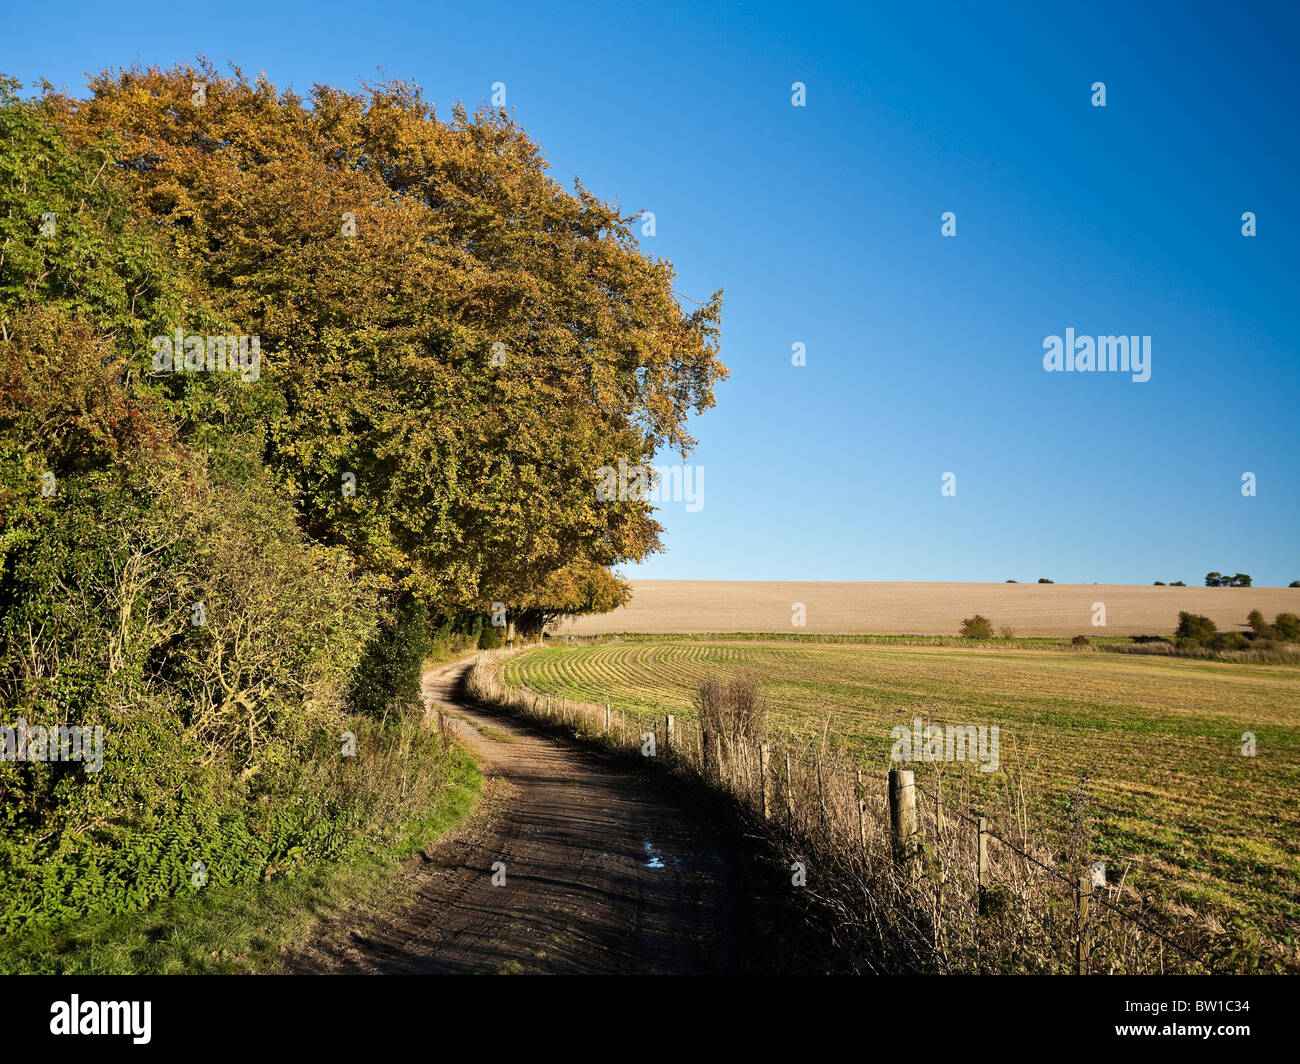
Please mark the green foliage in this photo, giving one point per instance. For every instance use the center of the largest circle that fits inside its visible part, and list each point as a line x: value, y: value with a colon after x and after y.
x: 1229, y: 641
x: 1194, y: 629
x: 1080, y: 641
x: 977, y: 627
x: 178, y: 562
x: 575, y: 590
x: 221, y: 741
x: 489, y: 637
x: 389, y: 673
x: 1287, y: 627
x: 474, y: 354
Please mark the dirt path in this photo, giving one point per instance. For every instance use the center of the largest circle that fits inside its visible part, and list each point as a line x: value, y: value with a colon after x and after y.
x: 605, y: 871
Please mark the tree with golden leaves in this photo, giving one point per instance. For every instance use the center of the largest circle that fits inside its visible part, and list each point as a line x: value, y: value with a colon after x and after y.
x: 437, y: 317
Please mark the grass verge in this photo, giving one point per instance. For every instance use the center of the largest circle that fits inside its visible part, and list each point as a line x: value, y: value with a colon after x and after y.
x: 242, y: 929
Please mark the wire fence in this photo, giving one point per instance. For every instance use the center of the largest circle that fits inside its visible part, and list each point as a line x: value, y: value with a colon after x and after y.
x: 909, y: 862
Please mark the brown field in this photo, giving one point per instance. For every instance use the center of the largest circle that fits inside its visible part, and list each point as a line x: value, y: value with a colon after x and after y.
x: 660, y: 606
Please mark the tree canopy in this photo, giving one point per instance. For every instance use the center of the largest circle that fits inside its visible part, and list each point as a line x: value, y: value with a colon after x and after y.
x: 437, y: 317
x: 227, y: 572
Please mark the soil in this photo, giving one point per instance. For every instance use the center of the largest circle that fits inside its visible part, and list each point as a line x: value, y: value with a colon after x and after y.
x: 610, y: 866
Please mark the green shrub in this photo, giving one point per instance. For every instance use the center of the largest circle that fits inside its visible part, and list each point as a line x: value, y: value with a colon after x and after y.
x: 490, y: 637
x: 1195, y: 629
x: 390, y: 670
x: 1081, y: 641
x: 1229, y: 641
x: 1287, y: 626
x: 977, y: 627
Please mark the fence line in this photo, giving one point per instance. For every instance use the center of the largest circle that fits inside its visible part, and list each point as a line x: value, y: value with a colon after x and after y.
x: 830, y: 808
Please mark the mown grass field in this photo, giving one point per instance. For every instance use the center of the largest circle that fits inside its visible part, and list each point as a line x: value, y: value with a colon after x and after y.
x: 1159, y: 738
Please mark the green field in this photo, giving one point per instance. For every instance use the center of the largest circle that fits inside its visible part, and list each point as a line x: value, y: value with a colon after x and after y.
x: 1175, y: 800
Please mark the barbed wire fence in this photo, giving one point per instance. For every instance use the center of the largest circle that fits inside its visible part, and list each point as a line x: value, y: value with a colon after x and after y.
x: 965, y: 896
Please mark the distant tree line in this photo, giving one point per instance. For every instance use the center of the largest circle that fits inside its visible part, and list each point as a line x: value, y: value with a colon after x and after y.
x: 1219, y: 580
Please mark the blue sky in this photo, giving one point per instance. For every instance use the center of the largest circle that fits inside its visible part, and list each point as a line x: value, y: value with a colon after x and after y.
x: 924, y: 352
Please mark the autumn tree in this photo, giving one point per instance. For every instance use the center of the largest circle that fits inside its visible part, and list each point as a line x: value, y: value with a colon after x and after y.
x: 572, y: 591
x: 438, y: 318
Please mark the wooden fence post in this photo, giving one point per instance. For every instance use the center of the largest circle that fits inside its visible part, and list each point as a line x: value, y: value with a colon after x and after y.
x: 862, y: 812
x: 789, y: 792
x: 1083, y: 895
x: 762, y: 778
x: 983, y: 858
x: 821, y: 792
x: 606, y: 718
x: 938, y: 857
x: 668, y: 734
x: 902, y: 821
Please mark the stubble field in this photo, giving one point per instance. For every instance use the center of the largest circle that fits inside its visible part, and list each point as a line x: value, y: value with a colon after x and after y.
x: 1155, y: 743
x: 663, y: 606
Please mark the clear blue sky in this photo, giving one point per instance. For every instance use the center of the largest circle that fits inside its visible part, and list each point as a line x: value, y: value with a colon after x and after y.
x: 823, y: 225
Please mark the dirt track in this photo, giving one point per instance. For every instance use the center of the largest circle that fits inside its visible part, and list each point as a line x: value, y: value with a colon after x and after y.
x: 606, y: 872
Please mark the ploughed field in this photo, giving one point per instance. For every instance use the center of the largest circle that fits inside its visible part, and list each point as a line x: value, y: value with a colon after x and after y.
x: 1155, y: 743
x: 1032, y: 609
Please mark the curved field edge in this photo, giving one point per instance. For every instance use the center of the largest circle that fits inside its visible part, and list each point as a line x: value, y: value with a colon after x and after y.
x: 1155, y: 744
x: 243, y: 929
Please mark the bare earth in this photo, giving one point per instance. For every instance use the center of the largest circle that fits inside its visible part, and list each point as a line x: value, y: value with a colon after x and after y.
x: 926, y: 608
x: 606, y: 871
